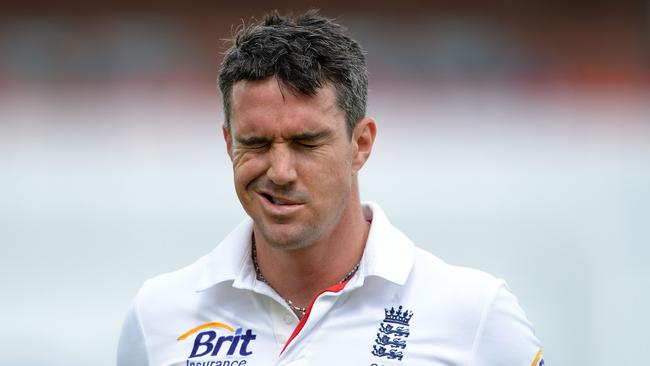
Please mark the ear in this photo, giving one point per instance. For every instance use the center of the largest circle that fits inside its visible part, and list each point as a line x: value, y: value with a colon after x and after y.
x: 228, y: 139
x: 363, y: 138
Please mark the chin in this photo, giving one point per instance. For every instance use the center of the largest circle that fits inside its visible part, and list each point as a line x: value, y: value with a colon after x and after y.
x: 288, y: 238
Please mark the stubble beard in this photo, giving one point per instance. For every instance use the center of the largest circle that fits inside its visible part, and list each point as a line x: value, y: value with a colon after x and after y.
x: 304, y: 236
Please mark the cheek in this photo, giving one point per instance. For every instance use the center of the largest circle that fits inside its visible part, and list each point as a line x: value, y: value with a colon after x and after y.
x: 329, y: 176
x: 246, y: 169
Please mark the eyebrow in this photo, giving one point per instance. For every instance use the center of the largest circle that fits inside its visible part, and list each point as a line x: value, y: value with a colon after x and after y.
x: 312, y: 136
x: 251, y: 140
x: 304, y: 136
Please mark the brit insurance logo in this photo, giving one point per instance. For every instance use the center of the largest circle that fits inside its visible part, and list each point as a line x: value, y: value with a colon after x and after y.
x: 539, y: 359
x: 392, y: 334
x: 218, y: 344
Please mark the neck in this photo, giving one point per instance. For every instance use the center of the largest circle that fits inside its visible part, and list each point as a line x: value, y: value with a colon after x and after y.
x: 300, y: 274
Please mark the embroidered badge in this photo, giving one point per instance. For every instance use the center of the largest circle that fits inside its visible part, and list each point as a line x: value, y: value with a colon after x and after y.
x: 392, y: 334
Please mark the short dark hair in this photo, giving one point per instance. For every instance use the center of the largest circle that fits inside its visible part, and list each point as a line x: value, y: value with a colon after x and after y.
x: 305, y: 53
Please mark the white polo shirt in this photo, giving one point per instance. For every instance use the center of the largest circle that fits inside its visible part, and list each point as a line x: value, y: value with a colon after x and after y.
x: 404, y: 306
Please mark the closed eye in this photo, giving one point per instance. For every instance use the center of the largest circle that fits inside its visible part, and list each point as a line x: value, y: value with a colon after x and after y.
x: 307, y: 145
x: 312, y: 140
x: 252, y: 142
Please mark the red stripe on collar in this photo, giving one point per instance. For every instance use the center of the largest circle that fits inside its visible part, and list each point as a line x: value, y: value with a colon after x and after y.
x: 301, y: 324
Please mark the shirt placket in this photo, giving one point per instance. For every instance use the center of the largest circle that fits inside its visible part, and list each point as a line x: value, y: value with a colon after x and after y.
x: 295, y: 351
x: 283, y: 322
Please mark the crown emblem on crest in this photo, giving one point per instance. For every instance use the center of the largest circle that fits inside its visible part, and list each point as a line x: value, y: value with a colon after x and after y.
x: 398, y: 316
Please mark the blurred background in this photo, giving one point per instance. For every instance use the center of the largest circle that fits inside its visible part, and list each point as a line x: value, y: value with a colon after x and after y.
x: 514, y: 137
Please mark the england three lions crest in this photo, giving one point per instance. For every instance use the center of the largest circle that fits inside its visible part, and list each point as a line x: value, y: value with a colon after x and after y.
x: 392, y: 334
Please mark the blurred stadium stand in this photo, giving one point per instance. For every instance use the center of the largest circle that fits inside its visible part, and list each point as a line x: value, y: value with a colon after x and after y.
x: 593, y: 43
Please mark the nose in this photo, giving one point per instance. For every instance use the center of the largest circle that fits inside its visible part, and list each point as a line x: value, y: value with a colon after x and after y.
x: 281, y: 169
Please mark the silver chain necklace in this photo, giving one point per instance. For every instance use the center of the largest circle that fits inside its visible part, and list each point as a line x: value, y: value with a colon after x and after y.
x: 300, y: 311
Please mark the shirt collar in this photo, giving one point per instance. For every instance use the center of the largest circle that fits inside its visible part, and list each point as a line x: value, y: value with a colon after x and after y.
x: 230, y: 260
x: 388, y: 254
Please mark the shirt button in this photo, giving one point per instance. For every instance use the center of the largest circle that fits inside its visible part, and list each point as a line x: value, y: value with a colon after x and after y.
x: 288, y: 318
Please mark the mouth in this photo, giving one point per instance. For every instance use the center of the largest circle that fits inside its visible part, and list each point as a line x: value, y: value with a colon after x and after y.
x: 278, y: 201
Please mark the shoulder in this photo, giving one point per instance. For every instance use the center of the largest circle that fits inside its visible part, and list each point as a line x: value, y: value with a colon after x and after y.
x: 458, y: 284
x: 182, y: 280
x: 457, y: 297
x: 168, y: 291
x: 224, y: 263
x: 161, y: 297
x: 475, y: 308
x: 451, y: 297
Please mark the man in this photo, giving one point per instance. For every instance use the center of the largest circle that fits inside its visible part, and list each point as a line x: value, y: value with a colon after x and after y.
x: 315, y: 277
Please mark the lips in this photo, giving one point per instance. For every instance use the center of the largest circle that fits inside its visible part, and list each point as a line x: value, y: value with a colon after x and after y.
x: 279, y: 201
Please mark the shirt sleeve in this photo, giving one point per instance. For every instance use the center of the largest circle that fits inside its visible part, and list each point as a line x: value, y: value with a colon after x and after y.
x: 505, y: 336
x: 132, y: 349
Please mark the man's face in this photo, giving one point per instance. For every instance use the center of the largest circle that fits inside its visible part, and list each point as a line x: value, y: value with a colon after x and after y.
x: 293, y: 161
